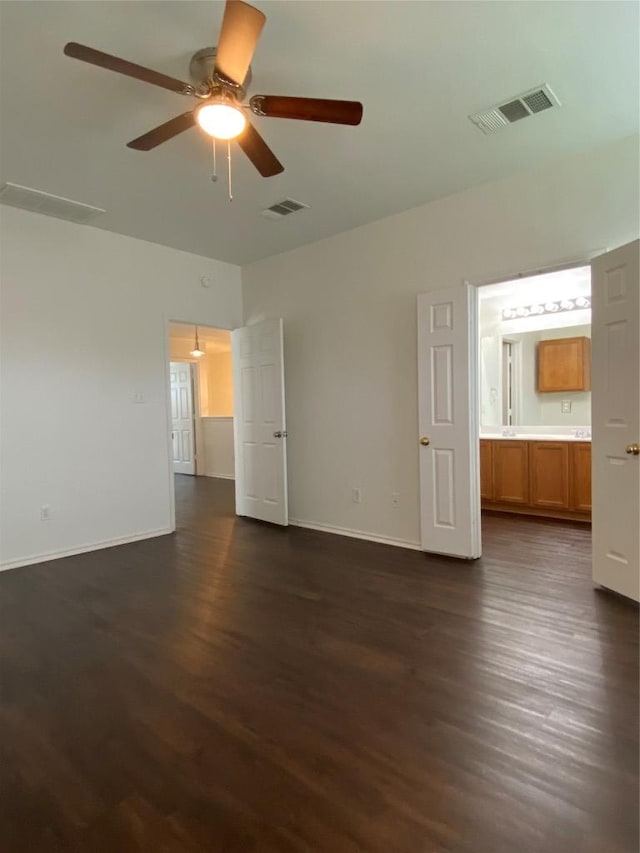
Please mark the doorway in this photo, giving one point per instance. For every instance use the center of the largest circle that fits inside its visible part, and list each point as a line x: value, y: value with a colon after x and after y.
x: 535, y: 396
x: 547, y: 470
x: 202, y: 405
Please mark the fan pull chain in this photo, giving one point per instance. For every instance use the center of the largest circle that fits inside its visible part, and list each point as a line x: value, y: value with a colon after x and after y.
x: 229, y: 168
x: 214, y: 176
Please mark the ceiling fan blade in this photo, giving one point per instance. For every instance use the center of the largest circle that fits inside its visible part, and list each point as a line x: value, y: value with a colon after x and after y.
x: 259, y: 152
x: 122, y: 66
x: 164, y: 132
x: 241, y: 28
x: 307, y: 109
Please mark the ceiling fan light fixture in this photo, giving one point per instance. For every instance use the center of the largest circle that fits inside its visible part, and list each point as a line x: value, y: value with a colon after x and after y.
x: 220, y: 120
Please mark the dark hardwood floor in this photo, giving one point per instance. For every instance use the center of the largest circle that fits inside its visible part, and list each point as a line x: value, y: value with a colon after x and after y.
x: 237, y: 687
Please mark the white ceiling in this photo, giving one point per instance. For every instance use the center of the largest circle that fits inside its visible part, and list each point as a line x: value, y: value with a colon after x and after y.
x: 420, y: 68
x: 212, y: 340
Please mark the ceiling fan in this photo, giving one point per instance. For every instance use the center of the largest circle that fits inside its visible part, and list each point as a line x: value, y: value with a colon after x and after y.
x: 220, y: 77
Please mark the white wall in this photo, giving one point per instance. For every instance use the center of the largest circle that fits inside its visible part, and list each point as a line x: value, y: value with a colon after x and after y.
x: 220, y: 379
x: 349, y: 304
x: 83, y: 314
x: 219, y: 459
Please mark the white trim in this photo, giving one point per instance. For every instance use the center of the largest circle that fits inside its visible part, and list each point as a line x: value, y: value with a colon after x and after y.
x: 473, y: 302
x: 84, y: 549
x: 355, y: 534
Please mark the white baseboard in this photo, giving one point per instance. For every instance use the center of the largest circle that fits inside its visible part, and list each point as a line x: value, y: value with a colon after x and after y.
x: 83, y: 549
x: 221, y: 476
x: 356, y: 534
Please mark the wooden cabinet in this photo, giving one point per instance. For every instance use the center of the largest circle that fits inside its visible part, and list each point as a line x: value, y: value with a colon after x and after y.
x: 486, y: 470
x: 550, y: 478
x: 581, y: 479
x: 549, y: 474
x: 511, y: 472
x: 564, y: 364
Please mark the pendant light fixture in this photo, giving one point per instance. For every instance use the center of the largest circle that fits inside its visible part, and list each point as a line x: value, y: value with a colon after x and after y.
x: 196, y: 352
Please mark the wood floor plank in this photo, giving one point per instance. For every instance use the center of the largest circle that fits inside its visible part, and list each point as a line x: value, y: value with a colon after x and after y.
x: 239, y: 687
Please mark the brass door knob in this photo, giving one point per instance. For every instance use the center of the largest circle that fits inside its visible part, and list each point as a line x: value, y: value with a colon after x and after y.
x: 633, y: 449
x: 424, y: 441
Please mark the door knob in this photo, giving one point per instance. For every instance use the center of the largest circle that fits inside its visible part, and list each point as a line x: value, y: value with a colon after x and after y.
x: 280, y: 433
x: 633, y: 449
x: 425, y: 441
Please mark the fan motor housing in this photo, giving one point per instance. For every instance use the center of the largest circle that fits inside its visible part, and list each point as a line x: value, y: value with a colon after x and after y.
x: 202, y: 70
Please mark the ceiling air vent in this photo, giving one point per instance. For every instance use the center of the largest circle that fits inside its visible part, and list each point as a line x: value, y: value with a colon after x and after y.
x: 51, y: 205
x: 284, y: 208
x: 521, y: 106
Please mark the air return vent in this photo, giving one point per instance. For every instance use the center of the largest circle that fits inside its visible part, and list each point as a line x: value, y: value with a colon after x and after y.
x: 51, y: 205
x: 521, y: 106
x: 284, y: 208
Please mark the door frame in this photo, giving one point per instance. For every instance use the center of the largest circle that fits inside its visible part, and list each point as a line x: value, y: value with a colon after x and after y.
x: 474, y: 360
x: 167, y: 321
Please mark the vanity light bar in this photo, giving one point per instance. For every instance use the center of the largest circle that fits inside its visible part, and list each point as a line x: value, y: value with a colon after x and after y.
x: 546, y: 308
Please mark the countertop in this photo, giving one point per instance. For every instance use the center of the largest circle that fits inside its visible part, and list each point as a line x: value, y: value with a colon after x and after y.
x: 497, y: 436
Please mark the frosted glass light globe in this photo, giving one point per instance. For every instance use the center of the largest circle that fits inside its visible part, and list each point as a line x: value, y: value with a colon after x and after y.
x: 221, y: 120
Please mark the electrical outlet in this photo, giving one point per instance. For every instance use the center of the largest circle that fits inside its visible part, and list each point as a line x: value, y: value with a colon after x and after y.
x: 45, y: 512
x: 138, y: 397
x: 565, y: 407
x: 356, y: 495
x: 395, y: 499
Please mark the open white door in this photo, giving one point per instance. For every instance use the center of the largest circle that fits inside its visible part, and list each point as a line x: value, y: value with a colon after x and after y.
x: 448, y: 422
x: 259, y: 422
x: 182, y: 421
x: 615, y: 414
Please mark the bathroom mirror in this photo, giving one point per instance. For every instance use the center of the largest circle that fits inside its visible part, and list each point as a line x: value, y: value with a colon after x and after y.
x: 515, y: 317
x: 509, y: 395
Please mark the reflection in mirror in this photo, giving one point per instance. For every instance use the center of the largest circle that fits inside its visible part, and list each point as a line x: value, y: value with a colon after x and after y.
x: 514, y: 318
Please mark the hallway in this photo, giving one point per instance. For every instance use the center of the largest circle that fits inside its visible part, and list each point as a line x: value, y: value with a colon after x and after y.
x: 238, y: 687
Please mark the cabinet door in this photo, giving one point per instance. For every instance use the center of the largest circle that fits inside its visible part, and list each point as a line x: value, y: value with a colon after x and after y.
x: 549, y: 474
x: 511, y: 472
x: 486, y: 470
x: 564, y: 365
x: 581, y: 476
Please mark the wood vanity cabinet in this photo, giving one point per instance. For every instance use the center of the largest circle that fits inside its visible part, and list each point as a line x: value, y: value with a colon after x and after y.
x: 550, y: 478
x: 511, y: 472
x: 581, y: 479
x: 486, y: 474
x: 549, y: 464
x: 564, y: 364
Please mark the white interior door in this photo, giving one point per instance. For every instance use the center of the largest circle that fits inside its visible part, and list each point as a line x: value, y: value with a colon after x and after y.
x: 448, y: 422
x: 259, y: 422
x: 615, y: 404
x: 182, y: 418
